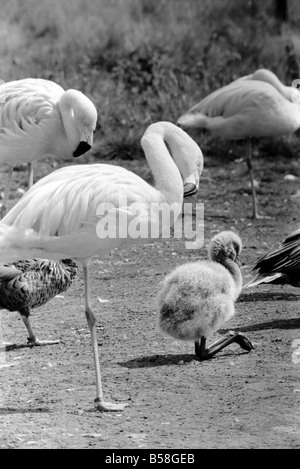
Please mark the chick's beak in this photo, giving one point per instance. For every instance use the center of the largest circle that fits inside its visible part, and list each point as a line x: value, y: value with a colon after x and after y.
x: 238, y: 261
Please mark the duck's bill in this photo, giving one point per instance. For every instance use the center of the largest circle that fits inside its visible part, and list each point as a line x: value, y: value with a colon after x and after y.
x: 191, y: 184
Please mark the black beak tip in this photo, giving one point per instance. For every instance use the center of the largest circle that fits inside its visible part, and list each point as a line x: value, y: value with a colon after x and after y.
x: 189, y: 189
x: 82, y: 148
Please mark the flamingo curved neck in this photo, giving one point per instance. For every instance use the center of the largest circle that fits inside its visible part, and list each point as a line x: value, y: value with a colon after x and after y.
x: 270, y: 77
x: 235, y: 272
x: 166, y: 174
x: 65, y: 106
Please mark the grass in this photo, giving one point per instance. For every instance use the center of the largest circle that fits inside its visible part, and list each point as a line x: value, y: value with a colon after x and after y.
x: 141, y: 61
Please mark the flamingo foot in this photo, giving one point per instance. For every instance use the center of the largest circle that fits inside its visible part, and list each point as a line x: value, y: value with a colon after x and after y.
x: 3, y: 345
x: 35, y: 342
x: 243, y: 342
x: 109, y: 406
x: 6, y: 365
x: 261, y: 217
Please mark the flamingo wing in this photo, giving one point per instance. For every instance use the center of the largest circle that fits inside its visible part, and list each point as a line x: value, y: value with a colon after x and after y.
x: 29, y: 99
x: 59, y: 216
x: 282, y: 262
x: 68, y: 198
x: 25, y: 106
x: 236, y: 98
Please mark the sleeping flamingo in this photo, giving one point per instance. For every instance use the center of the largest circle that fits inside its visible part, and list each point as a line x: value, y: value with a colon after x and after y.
x: 256, y: 105
x: 38, y: 118
x: 279, y: 266
x: 198, y: 298
x: 60, y: 216
x: 27, y: 284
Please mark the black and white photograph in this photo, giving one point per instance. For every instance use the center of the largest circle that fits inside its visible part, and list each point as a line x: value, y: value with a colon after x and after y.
x: 149, y: 227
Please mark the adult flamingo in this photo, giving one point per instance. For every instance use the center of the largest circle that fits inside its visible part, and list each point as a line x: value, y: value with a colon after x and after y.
x: 60, y: 216
x: 256, y: 105
x: 38, y: 118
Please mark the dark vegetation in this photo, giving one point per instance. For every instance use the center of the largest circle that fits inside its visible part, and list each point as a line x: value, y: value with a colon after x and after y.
x: 142, y: 61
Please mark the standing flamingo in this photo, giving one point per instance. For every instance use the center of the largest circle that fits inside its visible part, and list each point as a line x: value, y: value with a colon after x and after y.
x: 198, y: 298
x: 27, y: 284
x: 38, y: 118
x: 61, y: 215
x: 256, y: 105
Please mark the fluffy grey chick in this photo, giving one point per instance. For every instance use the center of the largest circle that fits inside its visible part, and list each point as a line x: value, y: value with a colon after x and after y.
x: 197, y: 298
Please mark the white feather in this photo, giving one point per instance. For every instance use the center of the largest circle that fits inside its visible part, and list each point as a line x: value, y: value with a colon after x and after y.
x: 38, y: 118
x: 57, y: 218
x: 256, y: 105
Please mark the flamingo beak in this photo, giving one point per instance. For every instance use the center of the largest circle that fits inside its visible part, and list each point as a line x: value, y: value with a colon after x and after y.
x: 191, y: 184
x: 85, y: 144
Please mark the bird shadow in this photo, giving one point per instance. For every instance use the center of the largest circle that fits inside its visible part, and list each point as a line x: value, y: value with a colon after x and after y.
x: 292, y: 323
x: 267, y: 296
x: 29, y: 410
x: 157, y: 360
x: 10, y: 347
x: 169, y: 360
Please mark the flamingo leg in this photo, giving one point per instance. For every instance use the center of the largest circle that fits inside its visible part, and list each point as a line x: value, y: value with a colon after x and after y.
x: 32, y: 339
x: 7, y: 191
x: 205, y: 353
x: 30, y: 175
x: 200, y: 348
x: 250, y: 169
x: 91, y: 320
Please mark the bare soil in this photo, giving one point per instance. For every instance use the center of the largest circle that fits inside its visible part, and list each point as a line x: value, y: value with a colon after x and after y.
x: 235, y: 400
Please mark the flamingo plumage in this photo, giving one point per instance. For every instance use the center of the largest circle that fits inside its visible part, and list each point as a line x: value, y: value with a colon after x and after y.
x: 66, y: 214
x: 28, y: 284
x: 197, y: 298
x: 38, y: 118
x: 280, y: 265
x: 256, y: 105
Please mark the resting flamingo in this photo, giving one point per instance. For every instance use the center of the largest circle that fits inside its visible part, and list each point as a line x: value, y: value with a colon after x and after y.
x: 61, y: 215
x: 38, y: 118
x: 256, y: 105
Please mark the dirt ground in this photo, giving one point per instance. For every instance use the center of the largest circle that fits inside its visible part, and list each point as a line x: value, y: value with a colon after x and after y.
x: 235, y: 400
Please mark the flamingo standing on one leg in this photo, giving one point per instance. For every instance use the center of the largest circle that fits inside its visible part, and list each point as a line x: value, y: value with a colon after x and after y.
x: 38, y: 118
x: 256, y: 105
x: 64, y: 214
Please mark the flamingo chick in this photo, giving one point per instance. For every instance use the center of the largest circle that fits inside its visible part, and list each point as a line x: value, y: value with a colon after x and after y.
x: 27, y: 284
x: 38, y: 118
x: 197, y: 298
x: 256, y: 105
x: 279, y: 266
x: 67, y: 214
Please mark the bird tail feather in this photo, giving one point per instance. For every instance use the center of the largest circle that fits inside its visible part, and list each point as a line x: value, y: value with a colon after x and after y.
x: 193, y: 121
x: 258, y: 279
x: 18, y: 244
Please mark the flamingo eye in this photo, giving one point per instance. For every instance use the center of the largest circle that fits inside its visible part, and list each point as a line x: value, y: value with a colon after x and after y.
x: 236, y: 247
